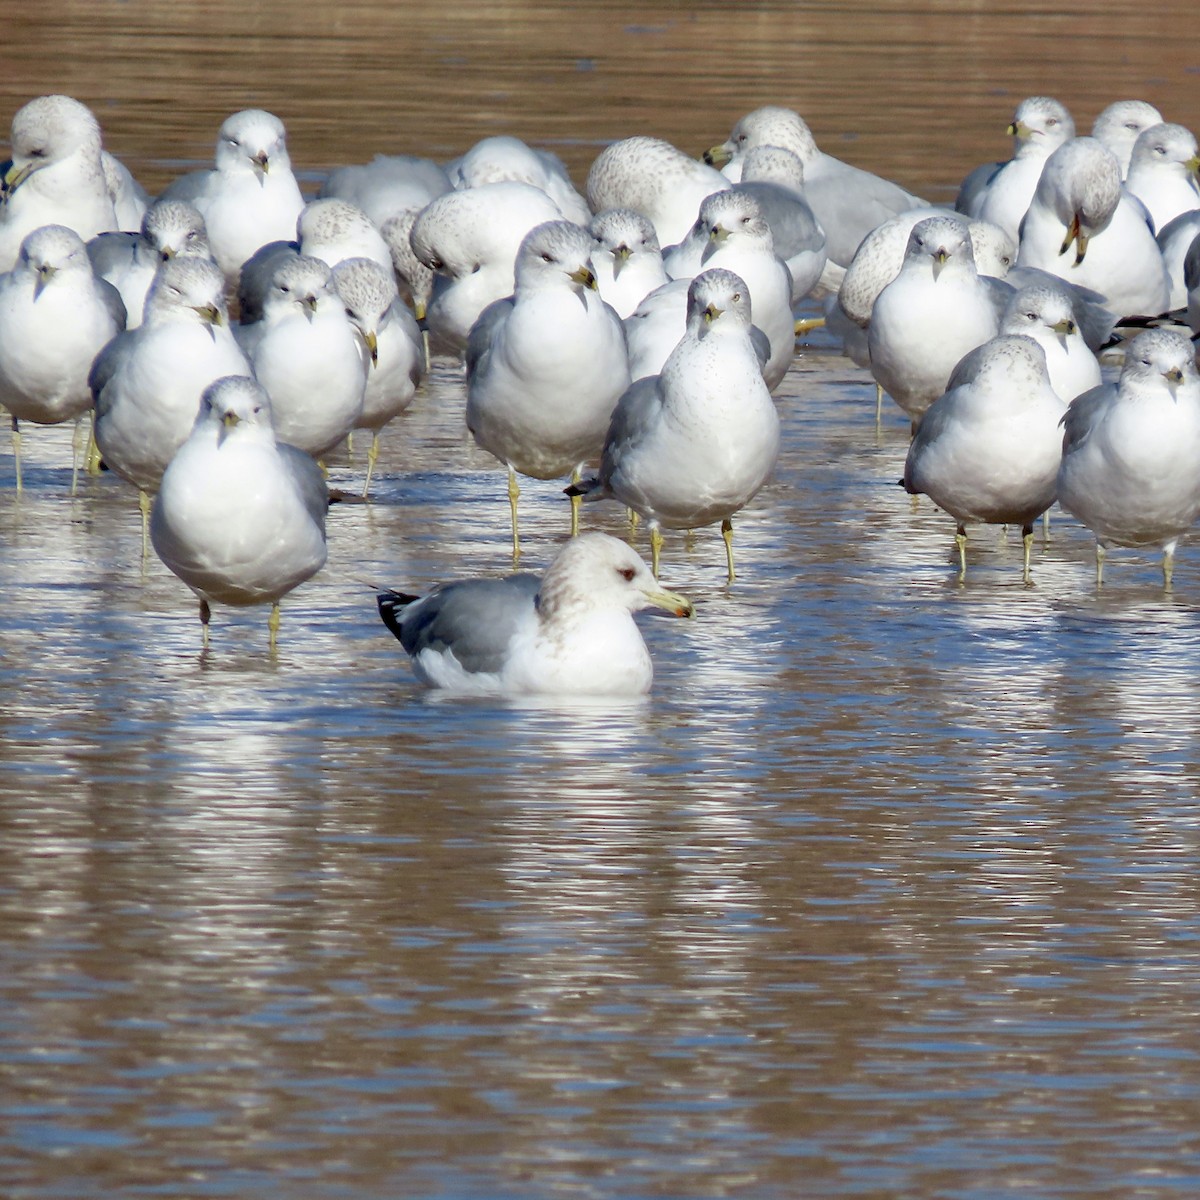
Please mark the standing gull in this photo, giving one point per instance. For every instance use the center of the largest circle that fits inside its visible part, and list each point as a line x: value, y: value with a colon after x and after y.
x: 1044, y: 312
x: 1118, y: 127
x: 1130, y: 450
x: 626, y: 258
x: 988, y: 450
x: 1164, y: 172
x: 569, y: 632
x: 240, y: 517
x: 55, y: 317
x: 545, y: 368
x: 695, y: 444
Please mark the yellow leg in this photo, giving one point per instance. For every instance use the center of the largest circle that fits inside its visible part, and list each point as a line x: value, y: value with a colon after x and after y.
x: 656, y: 541
x: 16, y: 445
x: 76, y: 438
x: 144, y: 505
x: 273, y: 625
x: 633, y: 522
x: 1027, y: 541
x: 92, y: 457
x: 727, y: 534
x: 807, y: 324
x: 576, y: 475
x: 1168, y: 564
x: 1099, y: 565
x: 514, y: 493
x: 960, y: 540
x: 372, y: 456
x: 878, y: 403
x: 1046, y: 526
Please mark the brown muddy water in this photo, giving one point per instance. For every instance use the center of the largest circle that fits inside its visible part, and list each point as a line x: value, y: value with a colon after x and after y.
x: 889, y: 888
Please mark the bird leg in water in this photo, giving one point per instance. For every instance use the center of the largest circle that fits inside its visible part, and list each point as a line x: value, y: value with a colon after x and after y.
x: 92, y: 456
x: 16, y: 445
x: 76, y: 438
x: 878, y: 404
x: 807, y: 324
x: 656, y: 541
x: 576, y: 500
x: 960, y: 540
x: 144, y: 505
x: 273, y: 625
x: 727, y: 534
x: 1168, y: 564
x: 1027, y: 542
x: 514, y: 493
x: 372, y: 456
x: 205, y: 614
x: 1099, y: 565
x: 633, y: 522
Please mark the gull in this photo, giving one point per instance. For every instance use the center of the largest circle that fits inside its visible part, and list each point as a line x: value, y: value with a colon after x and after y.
x: 626, y: 258
x: 129, y: 261
x: 251, y: 197
x: 413, y: 276
x: 1174, y: 240
x: 398, y: 357
x: 309, y: 356
x: 569, y: 632
x: 508, y: 159
x: 470, y: 240
x: 147, y: 382
x: 55, y: 317
x: 1083, y: 227
x: 987, y: 450
x: 388, y: 185
x: 1191, y: 278
x: 694, y: 444
x: 1117, y: 127
x: 847, y: 202
x: 1045, y: 313
x: 1130, y: 450
x: 56, y: 176
x: 546, y: 367
x: 654, y: 178
x: 654, y: 328
x: 1164, y: 172
x: 240, y: 517
x: 935, y: 311
x: 1039, y: 126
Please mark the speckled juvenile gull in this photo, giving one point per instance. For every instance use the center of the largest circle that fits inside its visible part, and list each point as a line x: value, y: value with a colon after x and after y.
x: 240, y: 517
x: 545, y: 368
x: 129, y: 261
x: 987, y: 450
x: 251, y: 197
x: 147, y: 382
x: 848, y: 202
x: 656, y: 179
x: 570, y: 632
x: 503, y: 158
x: 695, y: 444
x: 936, y: 310
x: 310, y: 357
x: 1083, y: 227
x: 393, y: 338
x: 1039, y: 126
x: 388, y: 185
x: 626, y: 258
x: 470, y: 240
x: 55, y: 317
x: 334, y: 230
x: 1164, y: 172
x: 1117, y: 127
x: 1130, y: 451
x: 56, y: 176
x: 1045, y: 312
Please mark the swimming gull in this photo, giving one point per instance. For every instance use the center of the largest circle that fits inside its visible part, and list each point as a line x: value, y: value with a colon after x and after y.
x: 571, y: 631
x: 695, y: 444
x: 545, y: 368
x: 240, y: 517
x: 1130, y: 450
x: 987, y: 450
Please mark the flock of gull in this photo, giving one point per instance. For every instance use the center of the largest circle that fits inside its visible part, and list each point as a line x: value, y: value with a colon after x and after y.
x: 627, y: 340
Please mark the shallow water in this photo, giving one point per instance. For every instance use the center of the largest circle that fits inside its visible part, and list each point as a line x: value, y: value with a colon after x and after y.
x: 887, y: 889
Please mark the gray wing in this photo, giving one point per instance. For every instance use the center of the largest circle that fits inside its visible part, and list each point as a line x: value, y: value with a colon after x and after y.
x: 762, y: 346
x: 636, y: 410
x: 1094, y: 319
x: 188, y: 187
x: 110, y: 297
x: 973, y: 189
x: 310, y: 482
x: 1191, y: 265
x: 480, y: 337
x: 1000, y: 292
x: 1080, y: 417
x: 475, y: 619
x: 112, y: 252
x: 107, y: 363
x: 794, y: 229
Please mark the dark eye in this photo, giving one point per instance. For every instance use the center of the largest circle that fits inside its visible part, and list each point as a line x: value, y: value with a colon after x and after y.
x: 436, y: 264
x: 736, y: 297
x: 1005, y: 260
x: 283, y: 287
x: 38, y: 152
x: 1160, y: 149
x: 1050, y: 124
x: 627, y: 573
x: 1031, y: 315
x: 545, y: 258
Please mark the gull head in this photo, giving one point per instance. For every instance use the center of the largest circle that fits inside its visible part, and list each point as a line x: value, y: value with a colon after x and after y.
x: 556, y: 254
x: 939, y: 241
x: 235, y: 403
x: 187, y: 289
x: 49, y: 252
x: 252, y: 140
x: 718, y: 300
x: 44, y: 132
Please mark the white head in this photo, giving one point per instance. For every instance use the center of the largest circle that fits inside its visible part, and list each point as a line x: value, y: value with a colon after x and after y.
x: 252, y: 140
x: 555, y: 254
x: 187, y: 289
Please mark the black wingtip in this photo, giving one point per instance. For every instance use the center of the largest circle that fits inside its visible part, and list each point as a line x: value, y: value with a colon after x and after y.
x: 583, y: 488
x: 392, y: 606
